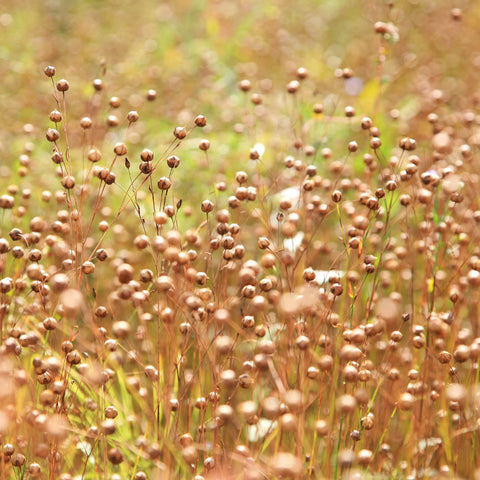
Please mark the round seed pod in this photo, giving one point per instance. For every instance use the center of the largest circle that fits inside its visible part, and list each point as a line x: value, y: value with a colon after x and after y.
x: 115, y: 102
x: 151, y: 95
x: 97, y: 84
x: 120, y: 149
x: 189, y: 454
x: 132, y: 116
x: 204, y: 144
x: 287, y: 465
x: 86, y: 123
x: 49, y: 71
x: 293, y: 86
x: 17, y: 460
x: 115, y: 456
x: 406, y: 401
x: 62, y: 85
x: 52, y: 135
x: 200, y: 121
x: 180, y: 132
x: 346, y: 404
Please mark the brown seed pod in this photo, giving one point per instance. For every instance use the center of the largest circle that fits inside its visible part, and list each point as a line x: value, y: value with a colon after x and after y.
x: 55, y: 116
x: 406, y: 401
x: 120, y: 149
x: 17, y: 460
x: 204, y: 145
x: 97, y: 84
x: 115, y: 102
x: 62, y: 85
x: 375, y: 142
x: 132, y: 116
x: 151, y: 95
x: 86, y: 123
x: 244, y: 85
x: 173, y: 161
x: 336, y: 196
x: 52, y: 135
x: 200, y: 121
x: 207, y: 206
x: 146, y: 167
x: 352, y: 146
x: 180, y: 132
x: 293, y: 86
x: 115, y: 456
x: 49, y: 71
x: 68, y: 182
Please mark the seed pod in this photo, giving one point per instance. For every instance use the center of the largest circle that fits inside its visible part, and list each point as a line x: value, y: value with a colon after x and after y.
x: 115, y: 102
x: 86, y: 123
x: 406, y: 401
x: 52, y: 135
x: 120, y: 149
x: 180, y: 132
x: 207, y: 206
x: 132, y: 116
x: 204, y: 145
x: 151, y: 95
x: 115, y: 456
x: 293, y: 86
x: 287, y: 465
x: 97, y: 84
x: 200, y: 121
x: 49, y: 71
x: 62, y: 85
x: 68, y: 182
x: 17, y: 460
